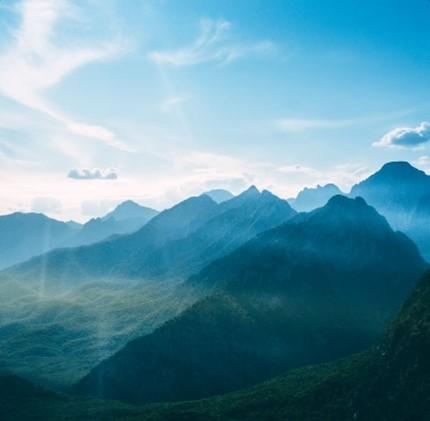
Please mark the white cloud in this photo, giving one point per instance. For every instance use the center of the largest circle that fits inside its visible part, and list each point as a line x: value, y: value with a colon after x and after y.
x: 33, y: 63
x: 92, y: 174
x: 213, y: 44
x: 406, y: 137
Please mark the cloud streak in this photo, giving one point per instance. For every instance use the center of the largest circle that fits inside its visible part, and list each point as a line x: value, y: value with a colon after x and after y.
x: 213, y: 44
x: 406, y: 137
x: 33, y: 63
x: 298, y: 124
x: 92, y: 174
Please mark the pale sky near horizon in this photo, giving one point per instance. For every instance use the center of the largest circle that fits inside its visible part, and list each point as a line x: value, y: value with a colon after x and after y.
x: 156, y: 100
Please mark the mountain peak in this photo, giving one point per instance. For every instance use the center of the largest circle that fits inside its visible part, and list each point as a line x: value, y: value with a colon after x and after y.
x: 130, y: 209
x: 342, y: 201
x: 400, y: 168
x: 314, y: 197
x: 250, y: 191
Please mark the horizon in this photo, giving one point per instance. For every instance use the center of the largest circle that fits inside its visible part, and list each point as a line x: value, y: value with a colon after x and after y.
x: 110, y: 101
x: 112, y: 207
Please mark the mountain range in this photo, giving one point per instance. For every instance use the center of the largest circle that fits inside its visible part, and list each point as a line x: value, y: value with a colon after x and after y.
x: 388, y: 382
x: 176, y: 242
x: 311, y: 198
x: 281, y: 300
x: 25, y: 235
x: 127, y: 217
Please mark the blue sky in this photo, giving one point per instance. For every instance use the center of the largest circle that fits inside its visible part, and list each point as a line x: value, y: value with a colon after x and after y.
x: 152, y: 100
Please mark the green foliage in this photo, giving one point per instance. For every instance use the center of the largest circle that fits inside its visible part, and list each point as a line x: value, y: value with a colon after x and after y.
x: 57, y: 338
x: 281, y: 301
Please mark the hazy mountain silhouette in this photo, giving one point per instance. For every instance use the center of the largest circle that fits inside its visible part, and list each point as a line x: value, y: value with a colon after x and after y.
x: 219, y: 195
x: 281, y: 300
x: 234, y: 222
x: 311, y: 198
x: 127, y: 217
x: 175, y: 243
x: 24, y: 235
x: 399, y: 192
x: 102, y: 260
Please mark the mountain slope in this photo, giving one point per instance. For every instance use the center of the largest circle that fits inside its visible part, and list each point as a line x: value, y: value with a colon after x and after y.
x: 399, y: 191
x: 101, y: 260
x: 125, y: 218
x: 311, y: 198
x: 235, y: 222
x: 24, y: 235
x: 389, y: 382
x: 175, y: 243
x: 282, y: 300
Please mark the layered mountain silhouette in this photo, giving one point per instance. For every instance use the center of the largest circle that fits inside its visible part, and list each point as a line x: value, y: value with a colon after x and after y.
x: 177, y: 242
x: 401, y: 193
x: 24, y: 235
x: 281, y: 300
x: 234, y: 222
x: 102, y: 259
x: 125, y: 218
x: 311, y: 198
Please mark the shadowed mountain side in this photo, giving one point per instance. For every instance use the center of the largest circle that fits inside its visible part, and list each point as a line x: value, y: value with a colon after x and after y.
x: 236, y: 222
x: 282, y: 300
x: 400, y: 192
x: 390, y: 382
x: 99, y: 260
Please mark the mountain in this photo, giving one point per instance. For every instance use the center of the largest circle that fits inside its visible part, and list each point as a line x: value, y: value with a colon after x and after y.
x: 279, y: 301
x: 127, y: 217
x: 400, y: 192
x: 101, y: 260
x: 390, y: 382
x: 175, y: 243
x: 219, y: 195
x: 131, y: 210
x: 235, y: 221
x: 24, y: 235
x: 311, y: 198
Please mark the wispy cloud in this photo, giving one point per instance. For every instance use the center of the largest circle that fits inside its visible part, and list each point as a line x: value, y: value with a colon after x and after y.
x: 406, y: 137
x: 298, y: 124
x: 92, y: 174
x: 33, y: 63
x: 172, y: 102
x: 213, y: 44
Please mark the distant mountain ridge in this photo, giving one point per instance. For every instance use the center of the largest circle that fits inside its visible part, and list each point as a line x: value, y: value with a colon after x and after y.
x: 24, y: 235
x: 314, y: 197
x: 400, y: 192
x: 279, y: 301
x: 127, y: 217
x: 177, y: 241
